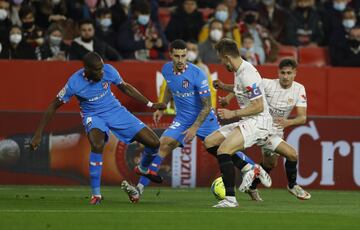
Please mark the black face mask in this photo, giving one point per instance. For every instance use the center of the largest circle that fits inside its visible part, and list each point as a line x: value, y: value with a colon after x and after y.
x: 250, y: 19
x: 27, y: 25
x: 353, y: 43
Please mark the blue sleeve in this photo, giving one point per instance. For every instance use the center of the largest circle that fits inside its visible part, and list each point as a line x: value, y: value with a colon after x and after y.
x: 115, y: 77
x: 66, y: 93
x: 202, y: 84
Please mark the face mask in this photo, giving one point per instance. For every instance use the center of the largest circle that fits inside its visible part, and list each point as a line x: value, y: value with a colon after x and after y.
x: 250, y: 19
x: 3, y: 14
x: 339, y: 6
x: 125, y: 2
x: 27, y: 25
x: 348, y: 23
x: 106, y: 22
x: 221, y: 15
x: 55, y: 2
x: 55, y: 40
x: 191, y: 56
x: 17, y: 2
x: 216, y: 35
x: 268, y: 2
x: 15, y: 38
x: 143, y: 19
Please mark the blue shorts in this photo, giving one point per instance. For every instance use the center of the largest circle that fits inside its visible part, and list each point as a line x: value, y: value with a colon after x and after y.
x: 178, y: 126
x: 123, y: 124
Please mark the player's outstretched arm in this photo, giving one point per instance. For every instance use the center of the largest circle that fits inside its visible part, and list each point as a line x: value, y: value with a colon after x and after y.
x: 225, y: 101
x: 300, y: 118
x: 256, y: 106
x: 221, y: 85
x: 134, y: 93
x: 49, y: 113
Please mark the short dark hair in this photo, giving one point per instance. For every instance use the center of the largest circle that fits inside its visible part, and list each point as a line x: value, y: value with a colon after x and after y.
x: 247, y: 35
x: 142, y: 6
x: 288, y: 62
x: 25, y: 10
x: 102, y: 11
x: 91, y: 58
x: 227, y: 46
x: 177, y: 44
x: 215, y: 21
x: 86, y: 21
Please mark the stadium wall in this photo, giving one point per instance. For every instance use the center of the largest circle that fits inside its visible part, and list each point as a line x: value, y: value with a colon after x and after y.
x: 31, y: 85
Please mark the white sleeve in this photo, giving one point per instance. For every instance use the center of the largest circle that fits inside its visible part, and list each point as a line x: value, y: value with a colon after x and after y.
x: 251, y: 82
x: 301, y: 97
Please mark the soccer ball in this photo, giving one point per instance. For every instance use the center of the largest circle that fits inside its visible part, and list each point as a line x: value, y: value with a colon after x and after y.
x: 218, y: 188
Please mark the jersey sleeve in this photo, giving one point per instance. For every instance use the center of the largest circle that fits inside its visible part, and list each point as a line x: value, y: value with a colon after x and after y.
x: 66, y: 93
x: 301, y: 100
x: 115, y: 77
x: 251, y: 84
x: 201, y: 84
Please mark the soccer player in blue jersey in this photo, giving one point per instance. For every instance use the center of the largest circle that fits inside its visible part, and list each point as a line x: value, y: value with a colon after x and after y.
x: 188, y: 85
x: 102, y: 112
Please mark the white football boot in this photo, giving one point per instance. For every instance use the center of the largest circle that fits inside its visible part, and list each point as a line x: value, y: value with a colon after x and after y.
x: 299, y: 192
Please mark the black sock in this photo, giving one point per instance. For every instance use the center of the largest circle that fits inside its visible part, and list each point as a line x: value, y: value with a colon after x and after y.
x: 291, y: 172
x: 238, y: 162
x: 257, y: 181
x: 213, y: 150
x: 228, y: 173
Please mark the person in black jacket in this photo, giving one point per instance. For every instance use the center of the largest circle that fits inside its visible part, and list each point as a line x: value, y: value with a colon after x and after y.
x: 16, y: 47
x: 185, y: 23
x: 348, y: 53
x: 87, y: 42
x: 103, y: 29
x: 54, y: 48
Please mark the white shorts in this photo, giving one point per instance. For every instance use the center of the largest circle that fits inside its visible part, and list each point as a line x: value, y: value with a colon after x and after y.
x: 253, y: 131
x: 276, y: 137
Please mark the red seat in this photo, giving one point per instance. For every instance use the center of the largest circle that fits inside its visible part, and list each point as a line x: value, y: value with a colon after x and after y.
x: 317, y: 56
x: 286, y: 52
x: 164, y: 16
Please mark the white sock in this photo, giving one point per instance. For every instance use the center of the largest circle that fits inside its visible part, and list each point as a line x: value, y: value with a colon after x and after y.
x: 141, y: 188
x: 231, y: 198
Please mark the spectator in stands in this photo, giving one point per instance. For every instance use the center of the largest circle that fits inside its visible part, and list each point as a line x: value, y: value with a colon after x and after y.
x: 247, y: 51
x: 140, y: 38
x: 273, y: 18
x: 82, y: 9
x: 303, y: 27
x: 348, y: 53
x: 185, y: 23
x: 5, y: 22
x: 15, y: 6
x: 54, y: 49
x: 120, y: 12
x: 103, y: 29
x: 332, y: 17
x: 231, y: 29
x: 233, y: 11
x: 16, y: 47
x: 49, y: 11
x: 349, y: 21
x: 32, y: 33
x: 207, y: 50
x: 265, y: 45
x: 87, y: 42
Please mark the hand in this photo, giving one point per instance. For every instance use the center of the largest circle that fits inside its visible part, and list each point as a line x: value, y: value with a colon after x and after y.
x: 159, y: 106
x: 148, y: 44
x: 218, y: 84
x: 281, y: 122
x: 35, y: 142
x: 158, y: 43
x: 224, y: 101
x: 190, y: 134
x: 56, y: 17
x: 157, y: 116
x: 225, y: 114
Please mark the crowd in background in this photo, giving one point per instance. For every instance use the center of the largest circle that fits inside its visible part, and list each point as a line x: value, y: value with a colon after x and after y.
x: 139, y: 29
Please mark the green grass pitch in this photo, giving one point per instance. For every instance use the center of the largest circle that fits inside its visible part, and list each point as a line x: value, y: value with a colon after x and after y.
x: 45, y: 207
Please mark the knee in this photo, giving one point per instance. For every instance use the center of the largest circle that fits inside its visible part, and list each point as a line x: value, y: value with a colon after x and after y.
x: 154, y: 144
x: 97, y: 146
x: 208, y: 142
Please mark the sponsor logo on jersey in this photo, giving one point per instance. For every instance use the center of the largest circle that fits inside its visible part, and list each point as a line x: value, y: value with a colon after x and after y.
x: 62, y: 92
x: 185, y: 84
x: 253, y: 91
x: 105, y: 85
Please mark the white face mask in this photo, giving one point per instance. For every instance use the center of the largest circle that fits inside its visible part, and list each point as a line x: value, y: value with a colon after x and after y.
x: 105, y: 22
x: 348, y: 23
x: 125, y: 2
x: 55, y: 2
x: 339, y: 6
x: 191, y: 56
x: 216, y: 35
x: 15, y: 38
x: 143, y: 19
x: 55, y: 40
x: 3, y: 14
x: 221, y: 15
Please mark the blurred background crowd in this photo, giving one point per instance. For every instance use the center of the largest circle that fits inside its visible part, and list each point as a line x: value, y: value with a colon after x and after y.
x: 142, y: 29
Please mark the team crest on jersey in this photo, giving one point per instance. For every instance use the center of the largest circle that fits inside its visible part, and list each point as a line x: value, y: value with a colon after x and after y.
x: 105, y: 85
x: 62, y: 92
x: 185, y: 84
x: 290, y: 101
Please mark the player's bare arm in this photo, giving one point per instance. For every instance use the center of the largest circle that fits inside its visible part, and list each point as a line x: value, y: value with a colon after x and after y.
x: 256, y: 106
x: 165, y: 100
x: 131, y: 91
x: 206, y: 108
x: 50, y: 111
x: 220, y: 85
x: 298, y: 120
x: 225, y: 101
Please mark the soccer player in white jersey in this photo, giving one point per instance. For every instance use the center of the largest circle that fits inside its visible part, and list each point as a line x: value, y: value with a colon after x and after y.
x: 282, y: 95
x: 255, y: 123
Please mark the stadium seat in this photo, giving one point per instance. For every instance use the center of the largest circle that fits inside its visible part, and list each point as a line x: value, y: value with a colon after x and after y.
x: 316, y: 56
x: 287, y: 51
x: 164, y: 16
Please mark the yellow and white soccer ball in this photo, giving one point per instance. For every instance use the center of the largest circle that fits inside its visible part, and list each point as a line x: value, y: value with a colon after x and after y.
x: 218, y: 188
